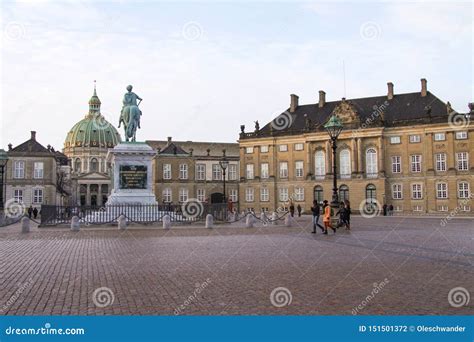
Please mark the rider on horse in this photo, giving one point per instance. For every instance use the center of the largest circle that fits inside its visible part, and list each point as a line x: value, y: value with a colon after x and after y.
x: 130, y: 114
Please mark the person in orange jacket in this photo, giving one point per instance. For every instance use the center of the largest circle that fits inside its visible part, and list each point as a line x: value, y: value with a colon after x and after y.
x: 327, y: 217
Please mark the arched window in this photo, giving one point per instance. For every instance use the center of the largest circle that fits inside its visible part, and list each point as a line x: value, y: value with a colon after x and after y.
x: 318, y: 194
x: 77, y: 165
x: 320, y: 164
x: 370, y: 193
x: 94, y: 165
x: 343, y: 193
x: 371, y: 163
x: 345, y: 162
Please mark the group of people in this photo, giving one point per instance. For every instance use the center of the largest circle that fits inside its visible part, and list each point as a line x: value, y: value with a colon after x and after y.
x: 32, y: 212
x: 344, y: 216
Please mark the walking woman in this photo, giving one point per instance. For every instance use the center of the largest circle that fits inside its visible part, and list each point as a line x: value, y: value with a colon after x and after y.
x: 347, y: 215
x: 327, y: 218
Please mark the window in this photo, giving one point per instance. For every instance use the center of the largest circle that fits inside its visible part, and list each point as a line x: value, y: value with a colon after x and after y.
x: 397, y: 192
x: 320, y: 164
x: 38, y: 170
x: 370, y: 194
x: 461, y: 135
x: 234, y: 195
x: 183, y: 195
x: 264, y: 149
x: 166, y: 171
x: 216, y: 172
x: 18, y: 195
x: 371, y: 163
x: 299, y: 168
x: 283, y: 169
x: 19, y: 169
x: 249, y: 195
x: 442, y: 190
x: 318, y: 194
x: 201, y: 195
x: 345, y: 162
x: 38, y: 196
x: 394, y: 140
x: 417, y: 208
x: 283, y: 194
x: 343, y: 193
x: 249, y: 171
x: 232, y: 171
x: 183, y: 171
x: 249, y: 150
x: 440, y: 161
x: 77, y: 165
x: 200, y: 171
x: 416, y: 191
x: 439, y: 136
x: 264, y: 170
x: 415, y: 138
x: 396, y: 164
x: 443, y: 207
x: 299, y: 147
x: 93, y: 165
x: 283, y: 148
x: 264, y: 195
x: 462, y: 161
x: 299, y: 194
x: 167, y: 195
x: 463, y: 190
x: 416, y: 163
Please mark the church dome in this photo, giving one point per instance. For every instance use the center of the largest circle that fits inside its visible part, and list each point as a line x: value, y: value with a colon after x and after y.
x: 94, y: 130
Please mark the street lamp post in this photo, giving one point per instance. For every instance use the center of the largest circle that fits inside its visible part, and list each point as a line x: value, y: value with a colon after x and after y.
x: 3, y: 178
x: 334, y: 127
x: 224, y: 163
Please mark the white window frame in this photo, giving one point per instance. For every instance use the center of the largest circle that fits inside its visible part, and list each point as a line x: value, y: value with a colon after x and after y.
x: 167, y: 171
x: 299, y: 147
x: 249, y: 195
x: 183, y: 171
x: 371, y: 162
x: 395, y: 140
x: 200, y: 171
x: 283, y: 148
x: 396, y: 164
x: 19, y: 169
x: 415, y: 138
x: 283, y: 194
x: 462, y: 161
x: 249, y: 171
x: 299, y: 168
x: 440, y: 162
x: 264, y: 170
x: 283, y: 169
x: 442, y: 190
x: 299, y: 194
x: 38, y: 195
x: 461, y: 135
x: 320, y: 164
x: 264, y: 195
x: 232, y: 173
x: 201, y: 194
x: 439, y: 136
x: 38, y: 170
x: 417, y: 191
x: 216, y: 172
x: 18, y: 195
x: 249, y: 150
x: 397, y: 191
x: 234, y: 195
x: 183, y: 195
x: 167, y: 195
x: 464, y: 190
x: 264, y: 149
x: 345, y: 168
x: 415, y: 163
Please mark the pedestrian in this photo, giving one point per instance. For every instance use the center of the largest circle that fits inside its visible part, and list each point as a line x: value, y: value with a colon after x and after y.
x: 299, y: 210
x: 30, y: 211
x: 390, y: 210
x: 316, y: 211
x: 292, y: 209
x: 347, y: 215
x: 35, y: 213
x: 327, y: 218
x: 342, y: 214
x: 384, y: 209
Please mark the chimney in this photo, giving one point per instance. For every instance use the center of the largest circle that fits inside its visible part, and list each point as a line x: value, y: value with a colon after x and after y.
x: 322, y: 98
x: 169, y: 140
x: 33, y: 135
x: 390, y: 90
x: 293, y: 103
x: 424, y: 88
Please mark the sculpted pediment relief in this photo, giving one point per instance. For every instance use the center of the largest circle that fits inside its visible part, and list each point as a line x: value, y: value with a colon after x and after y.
x: 346, y: 112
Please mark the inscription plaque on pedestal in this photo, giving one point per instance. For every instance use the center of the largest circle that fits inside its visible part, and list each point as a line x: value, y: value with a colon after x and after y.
x: 133, y: 176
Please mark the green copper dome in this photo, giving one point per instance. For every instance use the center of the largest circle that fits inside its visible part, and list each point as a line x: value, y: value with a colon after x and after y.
x: 94, y: 130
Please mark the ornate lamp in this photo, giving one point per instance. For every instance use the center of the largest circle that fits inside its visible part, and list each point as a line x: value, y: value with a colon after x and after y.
x: 224, y: 163
x: 3, y: 174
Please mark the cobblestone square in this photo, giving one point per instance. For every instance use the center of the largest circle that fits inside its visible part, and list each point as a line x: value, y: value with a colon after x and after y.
x: 384, y: 266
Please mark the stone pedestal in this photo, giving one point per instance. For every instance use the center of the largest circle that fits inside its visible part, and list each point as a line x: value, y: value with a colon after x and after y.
x: 131, y: 171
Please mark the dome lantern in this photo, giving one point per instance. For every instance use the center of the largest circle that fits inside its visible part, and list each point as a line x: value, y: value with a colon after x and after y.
x: 94, y: 102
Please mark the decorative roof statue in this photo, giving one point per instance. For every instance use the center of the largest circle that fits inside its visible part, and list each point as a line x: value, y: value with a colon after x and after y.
x: 257, y: 126
x: 130, y: 115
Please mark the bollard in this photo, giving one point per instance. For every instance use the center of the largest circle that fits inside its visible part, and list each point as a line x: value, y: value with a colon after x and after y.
x: 25, y: 225
x: 166, y: 222
x: 288, y: 221
x: 275, y: 218
x: 249, y: 221
x: 75, y: 224
x: 209, y: 221
x: 122, y: 222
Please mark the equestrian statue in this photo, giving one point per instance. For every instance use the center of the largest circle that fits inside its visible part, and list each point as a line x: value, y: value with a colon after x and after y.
x: 130, y: 115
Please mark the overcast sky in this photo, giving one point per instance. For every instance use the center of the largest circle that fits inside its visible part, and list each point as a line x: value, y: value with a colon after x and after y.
x: 205, y: 68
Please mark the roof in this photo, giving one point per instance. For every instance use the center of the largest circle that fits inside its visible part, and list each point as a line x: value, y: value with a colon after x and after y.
x: 198, y: 148
x: 33, y: 148
x: 402, y: 110
x: 173, y: 149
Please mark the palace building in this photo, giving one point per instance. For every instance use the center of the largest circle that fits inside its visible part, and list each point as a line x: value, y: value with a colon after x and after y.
x: 410, y: 150
x: 86, y: 146
x: 184, y: 170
